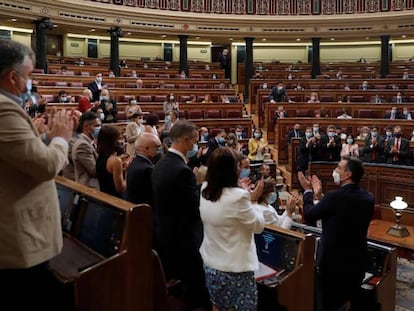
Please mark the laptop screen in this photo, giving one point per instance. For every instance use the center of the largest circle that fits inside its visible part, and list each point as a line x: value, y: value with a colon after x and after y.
x: 277, y: 250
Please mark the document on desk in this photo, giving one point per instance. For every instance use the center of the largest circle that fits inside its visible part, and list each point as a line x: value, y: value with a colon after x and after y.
x: 264, y: 272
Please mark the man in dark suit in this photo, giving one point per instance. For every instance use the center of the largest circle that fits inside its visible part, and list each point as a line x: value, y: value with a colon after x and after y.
x: 139, y: 187
x: 373, y: 150
x: 224, y: 63
x: 96, y: 87
x: 331, y: 145
x: 342, y: 252
x: 278, y: 93
x: 296, y: 132
x: 215, y: 142
x: 178, y: 227
x: 398, y: 149
x: 310, y: 149
x: 393, y: 114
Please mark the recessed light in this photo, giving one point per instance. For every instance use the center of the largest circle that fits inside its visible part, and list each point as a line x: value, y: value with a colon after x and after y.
x: 332, y: 39
x: 231, y: 39
x: 163, y: 36
x: 367, y: 38
x: 92, y: 30
x: 197, y: 37
x: 298, y: 39
x: 13, y: 19
x: 128, y: 33
x: 403, y: 36
x: 55, y: 26
x: 264, y: 39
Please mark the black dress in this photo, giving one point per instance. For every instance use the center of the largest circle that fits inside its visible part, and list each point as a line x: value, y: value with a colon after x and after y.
x: 106, y: 179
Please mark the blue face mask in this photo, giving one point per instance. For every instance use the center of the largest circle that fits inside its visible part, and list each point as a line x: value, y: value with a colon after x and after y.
x: 205, y: 135
x: 331, y: 134
x: 29, y: 86
x: 272, y: 197
x: 193, y: 152
x: 221, y: 140
x: 96, y: 132
x: 245, y: 172
x: 308, y: 135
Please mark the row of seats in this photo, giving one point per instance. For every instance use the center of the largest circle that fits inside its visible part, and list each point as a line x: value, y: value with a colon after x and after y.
x: 192, y: 114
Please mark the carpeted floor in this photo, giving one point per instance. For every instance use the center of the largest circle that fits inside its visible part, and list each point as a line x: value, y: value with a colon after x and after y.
x: 405, y: 285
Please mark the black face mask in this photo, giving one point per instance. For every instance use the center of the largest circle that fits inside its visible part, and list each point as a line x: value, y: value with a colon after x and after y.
x: 398, y: 135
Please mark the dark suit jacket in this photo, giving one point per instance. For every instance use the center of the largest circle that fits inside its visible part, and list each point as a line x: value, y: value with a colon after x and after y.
x: 139, y: 187
x: 377, y: 149
x: 178, y: 232
x: 96, y: 92
x: 278, y: 95
x: 345, y: 214
x: 403, y: 154
x: 110, y: 114
x: 388, y: 115
x: 331, y: 153
x: 291, y: 134
x: 308, y: 152
x: 212, y: 145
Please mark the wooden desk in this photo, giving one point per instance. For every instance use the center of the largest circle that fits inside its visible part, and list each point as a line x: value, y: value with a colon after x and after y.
x: 377, y: 231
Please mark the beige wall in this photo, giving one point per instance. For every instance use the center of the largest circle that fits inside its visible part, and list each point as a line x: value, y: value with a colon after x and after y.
x: 284, y: 54
x: 22, y: 37
x: 75, y: 47
x: 350, y: 53
x: 201, y: 52
x: 402, y: 51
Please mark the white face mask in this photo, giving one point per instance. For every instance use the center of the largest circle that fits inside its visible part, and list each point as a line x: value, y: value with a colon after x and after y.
x: 102, y: 116
x: 336, y: 177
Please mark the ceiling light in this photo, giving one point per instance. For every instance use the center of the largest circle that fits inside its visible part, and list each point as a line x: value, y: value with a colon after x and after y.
x: 332, y: 39
x: 13, y: 19
x: 298, y: 39
x: 264, y: 39
x: 197, y: 37
x: 128, y: 33
x: 231, y: 39
x: 163, y: 36
x: 403, y: 36
x: 92, y: 30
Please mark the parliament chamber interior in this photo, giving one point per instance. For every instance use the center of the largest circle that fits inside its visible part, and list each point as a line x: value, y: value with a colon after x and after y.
x: 332, y: 58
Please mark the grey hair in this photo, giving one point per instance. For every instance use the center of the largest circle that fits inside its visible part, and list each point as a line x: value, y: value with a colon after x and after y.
x: 13, y: 55
x: 181, y: 129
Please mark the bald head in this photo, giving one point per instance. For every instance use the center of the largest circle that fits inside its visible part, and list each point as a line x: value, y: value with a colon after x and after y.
x: 147, y: 145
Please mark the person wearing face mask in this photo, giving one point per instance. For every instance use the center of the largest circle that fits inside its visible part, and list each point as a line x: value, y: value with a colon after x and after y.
x: 398, y: 148
x: 406, y: 114
x: 256, y: 146
x: 270, y: 215
x: 133, y: 129
x: 171, y: 104
x: 296, y: 132
x: 278, y: 93
x: 373, y: 150
x: 62, y: 97
x: 331, y: 145
x: 204, y: 136
x: 108, y: 106
x: 84, y: 153
x: 96, y: 87
x: 398, y: 99
x: 393, y: 114
x: 30, y: 226
x: 178, y: 227
x: 345, y: 214
x: 310, y: 149
x: 350, y: 148
x: 132, y: 108
x: 109, y: 167
x: 139, y: 186
x: 365, y: 86
x: 215, y: 142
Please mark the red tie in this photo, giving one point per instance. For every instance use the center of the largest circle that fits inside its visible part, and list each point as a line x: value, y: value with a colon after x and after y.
x: 397, y: 148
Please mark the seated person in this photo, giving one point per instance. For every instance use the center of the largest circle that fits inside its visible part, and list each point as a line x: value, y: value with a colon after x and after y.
x: 233, y: 142
x: 267, y: 156
x: 239, y: 132
x: 398, y: 98
x: 407, y: 115
x: 344, y: 115
x: 365, y: 86
x: 313, y: 98
x: 139, y: 83
x: 269, y: 197
x: 256, y: 146
x: 280, y: 113
x: 299, y: 87
x: 377, y: 99
x: 123, y: 64
x: 363, y: 132
x: 62, y: 97
x: 207, y: 99
x: 344, y: 99
x: 393, y: 114
x: 350, y: 148
x: 405, y: 75
x: 133, y: 74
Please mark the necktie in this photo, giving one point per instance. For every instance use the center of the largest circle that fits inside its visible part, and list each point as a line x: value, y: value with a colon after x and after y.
x: 397, y: 148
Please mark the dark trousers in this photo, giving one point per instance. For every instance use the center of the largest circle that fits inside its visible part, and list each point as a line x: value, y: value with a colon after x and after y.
x: 35, y: 288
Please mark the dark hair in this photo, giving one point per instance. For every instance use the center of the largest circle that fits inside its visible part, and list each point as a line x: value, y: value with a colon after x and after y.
x: 182, y: 128
x: 222, y: 171
x: 61, y: 92
x: 356, y: 167
x: 152, y: 119
x: 108, y: 140
x: 86, y: 117
x: 269, y: 186
x: 13, y: 55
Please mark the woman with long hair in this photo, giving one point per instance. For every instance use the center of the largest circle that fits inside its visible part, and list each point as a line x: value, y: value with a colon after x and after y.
x: 109, y: 167
x: 230, y: 221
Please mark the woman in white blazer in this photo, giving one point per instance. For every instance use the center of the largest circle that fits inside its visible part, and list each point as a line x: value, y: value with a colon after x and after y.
x: 230, y: 221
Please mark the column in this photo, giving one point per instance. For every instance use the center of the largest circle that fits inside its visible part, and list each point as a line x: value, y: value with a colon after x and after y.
x: 316, y: 59
x: 249, y: 66
x: 115, y: 33
x: 183, y: 54
x: 42, y: 25
x: 385, y: 56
